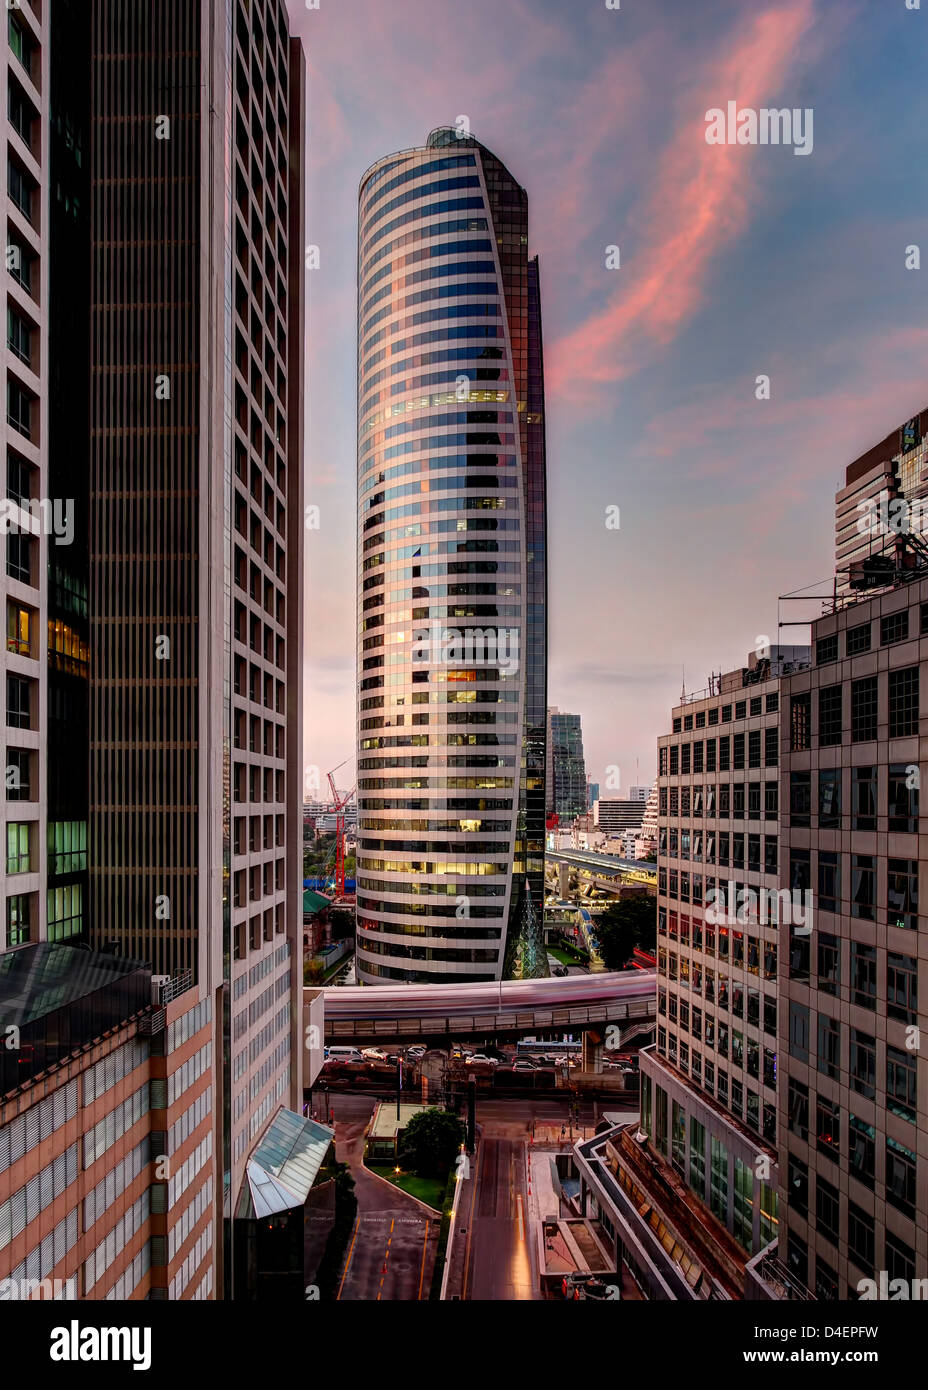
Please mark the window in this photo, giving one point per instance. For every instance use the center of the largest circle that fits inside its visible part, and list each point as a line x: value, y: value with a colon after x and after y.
x: 829, y: 963
x: 863, y: 709
x: 863, y: 975
x: 798, y: 1109
x: 797, y: 1257
x: 798, y: 1186
x: 18, y: 920
x: 861, y: 1148
x: 773, y: 703
x: 900, y: 1259
x: 862, y: 1063
x: 829, y: 881
x: 829, y: 715
x: 826, y: 649
x: 19, y: 407
x: 737, y: 751
x: 800, y: 798
x: 20, y: 187
x: 741, y: 709
x: 754, y: 748
x: 902, y: 893
x: 19, y: 335
x: 894, y: 627
x: 829, y: 798
x: 19, y: 557
x: 826, y: 1281
x: 18, y: 860
x: 771, y: 746
x: 858, y: 639
x: 901, y: 1083
x: 18, y: 629
x: 17, y: 775
x: 678, y: 1138
x: 698, y: 1158
x: 863, y: 798
x: 718, y: 1184
x: 18, y: 478
x: 771, y: 800
x: 17, y: 702
x: 903, y: 797
x: 800, y: 722
x: 903, y: 702
x: 827, y: 1209
x: 798, y: 1031
x: 743, y: 1205
x: 900, y: 1177
x: 860, y: 1238
x: 863, y: 886
x: 829, y: 1046
x: 902, y: 987
x: 828, y: 1128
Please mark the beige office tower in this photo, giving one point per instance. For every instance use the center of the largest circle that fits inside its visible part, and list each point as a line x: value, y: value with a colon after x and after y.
x: 25, y: 183
x: 853, y: 1135
x: 709, y: 1085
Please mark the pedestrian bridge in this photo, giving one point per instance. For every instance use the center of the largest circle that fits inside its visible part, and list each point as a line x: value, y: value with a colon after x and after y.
x: 509, y: 1008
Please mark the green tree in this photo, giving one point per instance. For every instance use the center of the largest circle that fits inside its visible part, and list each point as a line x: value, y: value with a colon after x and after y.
x: 430, y: 1142
x: 625, y: 924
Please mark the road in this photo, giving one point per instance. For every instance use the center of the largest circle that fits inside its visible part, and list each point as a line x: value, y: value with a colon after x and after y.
x: 497, y: 1260
x: 391, y: 1253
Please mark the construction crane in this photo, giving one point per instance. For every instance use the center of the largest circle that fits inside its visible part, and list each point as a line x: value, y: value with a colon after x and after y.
x: 339, y: 804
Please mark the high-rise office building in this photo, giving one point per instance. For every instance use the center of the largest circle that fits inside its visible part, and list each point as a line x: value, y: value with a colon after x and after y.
x: 25, y: 433
x: 195, y: 595
x: 565, y: 789
x: 698, y: 1173
x: 852, y: 1076
x: 451, y: 568
x: 885, y: 497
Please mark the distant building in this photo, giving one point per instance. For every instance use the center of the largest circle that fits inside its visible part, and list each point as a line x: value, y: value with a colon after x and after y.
x: 877, y: 500
x: 592, y: 790
x: 615, y: 817
x: 566, y: 785
x: 638, y: 793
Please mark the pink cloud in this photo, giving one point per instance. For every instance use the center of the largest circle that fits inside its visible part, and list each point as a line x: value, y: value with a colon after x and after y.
x: 700, y: 200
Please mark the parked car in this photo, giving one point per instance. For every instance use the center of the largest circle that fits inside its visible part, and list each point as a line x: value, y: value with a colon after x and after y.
x: 523, y: 1064
x: 481, y: 1057
x: 374, y: 1054
x: 416, y: 1051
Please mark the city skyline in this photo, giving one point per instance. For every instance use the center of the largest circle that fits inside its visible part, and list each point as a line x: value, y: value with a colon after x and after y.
x: 658, y: 412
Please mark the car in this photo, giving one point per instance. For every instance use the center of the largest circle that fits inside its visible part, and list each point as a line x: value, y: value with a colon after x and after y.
x: 416, y: 1051
x: 481, y: 1057
x: 523, y: 1064
x: 374, y: 1054
x: 560, y: 970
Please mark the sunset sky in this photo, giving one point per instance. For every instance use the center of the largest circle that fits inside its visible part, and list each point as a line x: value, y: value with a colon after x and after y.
x: 736, y: 261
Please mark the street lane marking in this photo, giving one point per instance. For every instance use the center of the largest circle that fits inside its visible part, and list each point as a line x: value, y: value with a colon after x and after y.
x: 425, y: 1246
x: 350, y: 1253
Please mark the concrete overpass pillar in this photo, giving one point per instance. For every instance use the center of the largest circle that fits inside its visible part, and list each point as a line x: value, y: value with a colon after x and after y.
x: 592, y: 1051
x: 562, y: 881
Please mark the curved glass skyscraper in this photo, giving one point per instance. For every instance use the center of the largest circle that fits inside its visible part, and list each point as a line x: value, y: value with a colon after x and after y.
x: 451, y: 571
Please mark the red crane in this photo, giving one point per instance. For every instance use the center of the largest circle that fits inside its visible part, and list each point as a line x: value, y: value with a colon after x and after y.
x: 339, y: 804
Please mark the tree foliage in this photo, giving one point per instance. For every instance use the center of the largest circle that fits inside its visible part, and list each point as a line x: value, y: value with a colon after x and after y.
x: 430, y: 1142
x: 625, y: 924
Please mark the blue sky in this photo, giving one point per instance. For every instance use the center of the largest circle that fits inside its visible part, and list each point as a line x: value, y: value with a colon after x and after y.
x: 736, y: 261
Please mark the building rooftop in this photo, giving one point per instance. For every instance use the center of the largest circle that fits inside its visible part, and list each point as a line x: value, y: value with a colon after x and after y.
x: 60, y: 998
x: 285, y: 1164
x: 386, y: 1123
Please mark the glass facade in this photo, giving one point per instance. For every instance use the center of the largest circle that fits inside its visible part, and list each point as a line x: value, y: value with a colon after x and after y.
x: 451, y: 582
